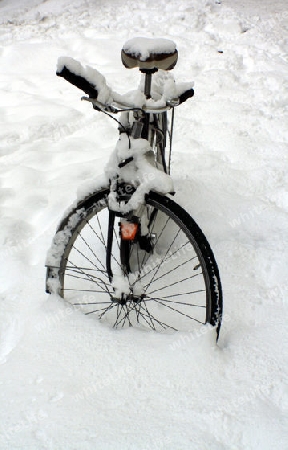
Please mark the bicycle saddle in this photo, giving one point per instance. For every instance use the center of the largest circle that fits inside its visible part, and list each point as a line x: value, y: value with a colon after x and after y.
x: 149, y: 54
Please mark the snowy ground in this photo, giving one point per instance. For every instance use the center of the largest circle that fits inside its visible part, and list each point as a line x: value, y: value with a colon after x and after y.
x: 68, y: 382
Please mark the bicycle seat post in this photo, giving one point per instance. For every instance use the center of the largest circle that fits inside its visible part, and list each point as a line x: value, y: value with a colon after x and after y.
x: 148, y: 79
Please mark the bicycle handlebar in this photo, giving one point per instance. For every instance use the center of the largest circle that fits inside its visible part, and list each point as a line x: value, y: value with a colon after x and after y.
x: 185, y: 95
x: 73, y: 72
x: 116, y: 107
x: 78, y: 81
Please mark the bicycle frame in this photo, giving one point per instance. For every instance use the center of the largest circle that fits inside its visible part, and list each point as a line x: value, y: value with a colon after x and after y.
x: 151, y: 127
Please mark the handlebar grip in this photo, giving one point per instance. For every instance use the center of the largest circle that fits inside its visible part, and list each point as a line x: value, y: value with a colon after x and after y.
x: 185, y: 95
x: 78, y: 81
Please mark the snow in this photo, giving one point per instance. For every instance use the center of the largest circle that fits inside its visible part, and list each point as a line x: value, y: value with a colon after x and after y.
x: 141, y: 173
x: 91, y: 75
x: 60, y: 241
x: 66, y: 380
x: 144, y: 47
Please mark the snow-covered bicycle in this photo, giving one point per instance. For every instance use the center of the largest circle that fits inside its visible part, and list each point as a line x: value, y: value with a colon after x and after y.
x: 126, y: 251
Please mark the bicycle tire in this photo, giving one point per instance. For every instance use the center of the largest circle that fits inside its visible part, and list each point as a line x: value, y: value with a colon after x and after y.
x: 88, y: 289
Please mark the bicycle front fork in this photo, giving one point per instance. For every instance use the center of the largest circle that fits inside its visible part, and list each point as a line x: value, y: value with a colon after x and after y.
x: 130, y: 240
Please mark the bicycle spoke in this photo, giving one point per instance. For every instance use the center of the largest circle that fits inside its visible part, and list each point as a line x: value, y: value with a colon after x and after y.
x: 175, y: 268
x: 159, y: 300
x: 86, y: 257
x: 171, y: 270
x: 105, y: 309
x: 85, y: 290
x: 127, y: 315
x: 100, y: 227
x: 88, y: 246
x: 102, y: 239
x: 92, y: 303
x: 184, y: 293
x: 178, y: 303
x: 119, y: 311
x: 150, y: 322
x: 84, y: 278
x: 93, y: 279
x: 117, y: 238
x: 162, y: 324
x: 172, y: 284
x: 157, y: 240
x: 147, y: 286
x: 91, y: 269
x: 88, y: 269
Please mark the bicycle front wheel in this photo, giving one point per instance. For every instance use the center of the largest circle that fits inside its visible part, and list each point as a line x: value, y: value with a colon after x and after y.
x: 174, y: 281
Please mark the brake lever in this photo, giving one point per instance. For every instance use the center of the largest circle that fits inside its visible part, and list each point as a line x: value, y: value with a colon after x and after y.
x: 100, y: 106
x: 173, y: 102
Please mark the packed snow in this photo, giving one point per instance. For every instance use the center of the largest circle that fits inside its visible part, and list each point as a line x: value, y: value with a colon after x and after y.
x: 70, y: 382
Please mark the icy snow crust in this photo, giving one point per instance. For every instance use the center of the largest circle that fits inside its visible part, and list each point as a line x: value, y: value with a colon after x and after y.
x: 68, y: 382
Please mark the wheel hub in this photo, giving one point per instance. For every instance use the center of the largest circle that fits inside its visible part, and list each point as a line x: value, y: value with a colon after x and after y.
x: 124, y: 299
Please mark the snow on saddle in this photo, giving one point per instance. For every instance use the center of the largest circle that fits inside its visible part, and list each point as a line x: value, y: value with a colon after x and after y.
x: 149, y: 54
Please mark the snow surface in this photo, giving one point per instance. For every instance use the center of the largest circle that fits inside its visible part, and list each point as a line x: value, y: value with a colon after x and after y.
x: 68, y: 382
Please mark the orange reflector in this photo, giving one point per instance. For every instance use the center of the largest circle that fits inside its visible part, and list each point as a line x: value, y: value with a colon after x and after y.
x: 128, y: 230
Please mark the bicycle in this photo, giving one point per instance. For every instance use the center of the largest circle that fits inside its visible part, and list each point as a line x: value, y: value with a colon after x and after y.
x: 126, y: 251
